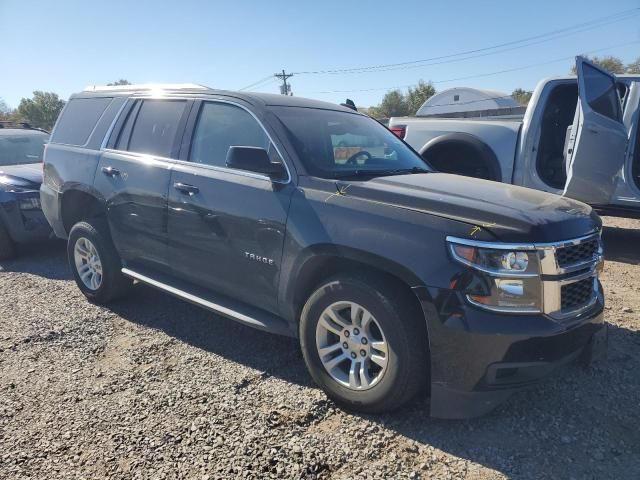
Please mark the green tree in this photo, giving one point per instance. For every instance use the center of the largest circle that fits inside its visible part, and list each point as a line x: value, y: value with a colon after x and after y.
x: 5, y: 111
x: 419, y: 94
x: 122, y: 81
x: 42, y: 110
x: 394, y: 104
x: 609, y: 63
x: 522, y: 96
x: 634, y: 67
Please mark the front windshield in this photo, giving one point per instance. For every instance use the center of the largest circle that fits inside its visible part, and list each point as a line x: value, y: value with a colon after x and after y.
x: 334, y: 144
x: 19, y: 148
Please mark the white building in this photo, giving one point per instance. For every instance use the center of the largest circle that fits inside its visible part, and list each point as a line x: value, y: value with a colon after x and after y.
x: 463, y: 99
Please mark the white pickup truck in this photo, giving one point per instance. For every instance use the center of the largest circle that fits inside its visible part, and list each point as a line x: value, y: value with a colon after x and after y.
x: 590, y: 152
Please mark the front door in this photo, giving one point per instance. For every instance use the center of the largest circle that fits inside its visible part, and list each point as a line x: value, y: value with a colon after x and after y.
x: 226, y: 226
x: 598, y: 139
x: 133, y: 175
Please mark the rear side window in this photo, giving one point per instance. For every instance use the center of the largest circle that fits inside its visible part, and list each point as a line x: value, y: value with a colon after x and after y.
x: 601, y: 93
x: 79, y: 119
x: 221, y: 126
x: 155, y: 127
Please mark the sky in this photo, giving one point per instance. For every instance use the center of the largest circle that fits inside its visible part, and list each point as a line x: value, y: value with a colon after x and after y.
x: 62, y: 46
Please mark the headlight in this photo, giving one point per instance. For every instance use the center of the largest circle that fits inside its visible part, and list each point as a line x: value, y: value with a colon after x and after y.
x: 511, y: 278
x: 496, y: 261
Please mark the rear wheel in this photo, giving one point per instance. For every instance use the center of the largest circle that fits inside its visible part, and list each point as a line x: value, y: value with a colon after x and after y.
x: 364, y: 344
x: 94, y: 261
x: 7, y: 247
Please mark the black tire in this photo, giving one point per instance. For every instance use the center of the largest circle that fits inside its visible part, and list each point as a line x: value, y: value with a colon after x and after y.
x: 7, y: 247
x: 404, y: 328
x: 113, y: 284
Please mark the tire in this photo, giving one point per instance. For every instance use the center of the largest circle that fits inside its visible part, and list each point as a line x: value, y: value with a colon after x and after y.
x: 395, y: 320
x: 7, y: 247
x: 92, y: 237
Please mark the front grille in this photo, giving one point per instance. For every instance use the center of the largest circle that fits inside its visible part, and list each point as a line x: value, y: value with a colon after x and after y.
x: 577, y: 294
x: 573, y: 254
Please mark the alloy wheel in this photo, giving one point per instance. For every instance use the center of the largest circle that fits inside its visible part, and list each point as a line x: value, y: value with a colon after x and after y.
x: 88, y: 264
x: 351, y: 345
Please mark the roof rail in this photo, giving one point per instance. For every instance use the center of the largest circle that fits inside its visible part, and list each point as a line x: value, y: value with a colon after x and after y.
x: 145, y: 86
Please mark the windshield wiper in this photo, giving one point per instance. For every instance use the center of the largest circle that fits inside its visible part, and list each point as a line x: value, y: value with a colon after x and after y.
x: 403, y: 171
x: 379, y: 173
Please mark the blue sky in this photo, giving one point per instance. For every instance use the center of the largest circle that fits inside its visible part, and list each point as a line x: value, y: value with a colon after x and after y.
x: 62, y: 46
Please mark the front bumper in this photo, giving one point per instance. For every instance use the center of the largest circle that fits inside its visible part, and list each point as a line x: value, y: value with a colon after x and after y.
x: 21, y: 214
x: 479, y: 358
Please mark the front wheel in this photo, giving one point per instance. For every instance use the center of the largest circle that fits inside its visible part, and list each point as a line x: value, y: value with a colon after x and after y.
x: 364, y: 344
x: 94, y: 262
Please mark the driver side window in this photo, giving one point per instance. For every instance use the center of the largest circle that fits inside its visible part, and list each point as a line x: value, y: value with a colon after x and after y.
x: 221, y: 126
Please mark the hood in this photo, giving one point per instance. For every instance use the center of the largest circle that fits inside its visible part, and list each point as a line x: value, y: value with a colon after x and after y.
x: 510, y: 213
x: 24, y: 176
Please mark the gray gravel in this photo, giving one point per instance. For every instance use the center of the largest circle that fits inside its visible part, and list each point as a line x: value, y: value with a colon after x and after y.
x: 153, y: 387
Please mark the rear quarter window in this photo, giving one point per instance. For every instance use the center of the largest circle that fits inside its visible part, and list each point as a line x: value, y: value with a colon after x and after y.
x: 79, y: 119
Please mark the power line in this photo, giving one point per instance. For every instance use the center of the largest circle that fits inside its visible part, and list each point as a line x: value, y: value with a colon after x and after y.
x: 555, y: 34
x: 487, y: 74
x: 255, y: 84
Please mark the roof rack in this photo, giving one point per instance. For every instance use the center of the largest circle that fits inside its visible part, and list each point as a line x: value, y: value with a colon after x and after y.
x: 23, y: 125
x: 145, y: 86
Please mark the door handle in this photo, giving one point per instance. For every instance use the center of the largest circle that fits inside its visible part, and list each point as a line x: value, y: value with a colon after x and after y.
x: 186, y: 188
x: 593, y: 130
x: 110, y: 171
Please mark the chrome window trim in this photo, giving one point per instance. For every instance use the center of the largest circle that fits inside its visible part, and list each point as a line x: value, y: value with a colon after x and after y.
x: 236, y: 171
x: 107, y: 135
x: 266, y: 132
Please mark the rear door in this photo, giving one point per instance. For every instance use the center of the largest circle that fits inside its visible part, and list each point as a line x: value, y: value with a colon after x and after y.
x: 133, y: 175
x: 598, y: 139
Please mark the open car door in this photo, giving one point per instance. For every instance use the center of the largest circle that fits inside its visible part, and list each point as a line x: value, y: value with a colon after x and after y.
x: 598, y: 138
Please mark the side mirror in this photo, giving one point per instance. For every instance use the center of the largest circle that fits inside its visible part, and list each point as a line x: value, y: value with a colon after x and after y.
x: 254, y: 159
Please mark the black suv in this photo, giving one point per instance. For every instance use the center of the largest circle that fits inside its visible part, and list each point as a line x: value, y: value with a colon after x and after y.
x: 21, y: 219
x: 308, y: 219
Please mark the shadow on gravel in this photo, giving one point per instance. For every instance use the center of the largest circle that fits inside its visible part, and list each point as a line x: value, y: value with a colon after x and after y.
x: 622, y: 244
x: 579, y: 423
x: 48, y: 260
x: 556, y: 429
x: 275, y: 355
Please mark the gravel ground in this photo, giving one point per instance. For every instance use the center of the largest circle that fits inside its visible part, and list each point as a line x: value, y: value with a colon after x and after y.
x: 153, y: 387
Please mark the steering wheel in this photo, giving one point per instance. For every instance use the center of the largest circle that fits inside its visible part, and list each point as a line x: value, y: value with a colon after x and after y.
x: 352, y: 159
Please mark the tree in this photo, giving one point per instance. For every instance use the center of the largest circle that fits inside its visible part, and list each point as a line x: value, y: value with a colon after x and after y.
x: 394, y: 104
x: 418, y: 95
x: 609, y: 63
x: 122, y: 81
x: 634, y: 67
x: 42, y: 110
x: 5, y: 111
x: 522, y: 96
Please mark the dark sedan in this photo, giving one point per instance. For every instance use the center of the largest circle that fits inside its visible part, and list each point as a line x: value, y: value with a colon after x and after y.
x: 21, y: 218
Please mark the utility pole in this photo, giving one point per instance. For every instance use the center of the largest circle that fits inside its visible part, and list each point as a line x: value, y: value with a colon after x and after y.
x: 285, y: 88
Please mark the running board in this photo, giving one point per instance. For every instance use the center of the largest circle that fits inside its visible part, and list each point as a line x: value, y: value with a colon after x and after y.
x: 229, y: 308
